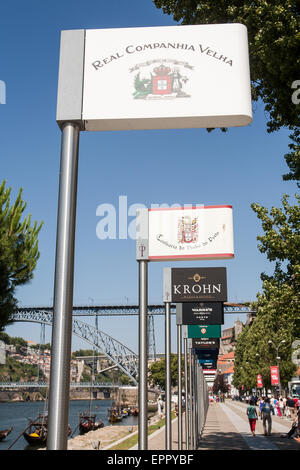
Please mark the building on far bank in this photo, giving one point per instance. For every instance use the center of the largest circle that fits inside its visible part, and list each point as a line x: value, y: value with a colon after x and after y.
x: 2, y: 353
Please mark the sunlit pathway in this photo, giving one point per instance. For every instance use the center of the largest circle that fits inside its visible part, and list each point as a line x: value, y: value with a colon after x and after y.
x: 258, y: 442
x: 227, y: 427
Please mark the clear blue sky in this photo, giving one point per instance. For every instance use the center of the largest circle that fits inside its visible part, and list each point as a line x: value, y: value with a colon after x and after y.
x: 239, y: 167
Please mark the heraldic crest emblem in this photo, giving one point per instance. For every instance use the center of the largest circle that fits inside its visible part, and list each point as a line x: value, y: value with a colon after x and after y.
x: 161, y: 82
x: 187, y: 229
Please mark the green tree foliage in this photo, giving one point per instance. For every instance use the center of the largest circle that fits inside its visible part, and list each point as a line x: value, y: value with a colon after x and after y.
x: 278, y: 310
x: 274, y: 44
x: 293, y: 158
x: 18, y: 251
x: 85, y: 352
x: 15, y: 371
x: 157, y: 371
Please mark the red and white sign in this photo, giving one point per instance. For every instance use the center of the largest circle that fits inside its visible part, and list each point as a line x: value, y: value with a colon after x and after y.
x: 191, y: 233
x: 274, y: 375
x: 259, y: 381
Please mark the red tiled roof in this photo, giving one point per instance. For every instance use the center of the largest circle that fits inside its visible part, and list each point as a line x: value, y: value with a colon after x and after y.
x: 225, y: 357
x: 230, y: 370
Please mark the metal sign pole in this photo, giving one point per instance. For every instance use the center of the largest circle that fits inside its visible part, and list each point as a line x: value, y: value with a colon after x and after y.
x: 191, y: 398
x: 194, y: 402
x: 179, y: 357
x: 143, y: 355
x: 63, y: 291
x: 168, y: 376
x: 186, y: 396
x: 198, y: 410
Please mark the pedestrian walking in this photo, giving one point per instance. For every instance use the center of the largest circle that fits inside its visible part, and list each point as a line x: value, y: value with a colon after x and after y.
x: 284, y: 405
x: 274, y: 404
x: 290, y: 404
x: 252, y: 416
x: 160, y: 407
x: 266, y: 411
x: 281, y: 407
x: 261, y: 402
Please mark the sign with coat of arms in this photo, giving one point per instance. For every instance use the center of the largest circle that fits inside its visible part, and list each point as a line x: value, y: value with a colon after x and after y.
x: 165, y: 77
x: 166, y: 81
x: 190, y: 233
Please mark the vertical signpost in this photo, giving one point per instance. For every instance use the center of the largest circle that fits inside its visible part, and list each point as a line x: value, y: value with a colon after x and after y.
x: 142, y: 250
x: 186, y: 75
x: 63, y: 298
x: 167, y: 301
x: 186, y: 394
x: 199, y: 293
x: 179, y: 359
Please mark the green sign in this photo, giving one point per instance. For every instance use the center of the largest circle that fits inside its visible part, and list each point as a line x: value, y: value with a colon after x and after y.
x: 204, y: 331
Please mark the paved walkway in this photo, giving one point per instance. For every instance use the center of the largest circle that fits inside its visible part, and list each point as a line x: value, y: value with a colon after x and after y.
x: 227, y: 428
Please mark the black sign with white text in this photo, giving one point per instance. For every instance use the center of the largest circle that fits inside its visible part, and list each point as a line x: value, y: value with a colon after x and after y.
x: 199, y: 284
x: 207, y: 353
x: 202, y: 313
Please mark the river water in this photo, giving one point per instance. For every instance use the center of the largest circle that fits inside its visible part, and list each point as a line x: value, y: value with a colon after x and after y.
x: 16, y: 414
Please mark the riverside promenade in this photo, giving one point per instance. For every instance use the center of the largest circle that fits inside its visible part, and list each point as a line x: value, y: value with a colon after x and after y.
x: 227, y: 428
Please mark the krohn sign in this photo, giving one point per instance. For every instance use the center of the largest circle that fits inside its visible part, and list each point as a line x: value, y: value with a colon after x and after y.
x: 155, y: 77
x: 195, y: 284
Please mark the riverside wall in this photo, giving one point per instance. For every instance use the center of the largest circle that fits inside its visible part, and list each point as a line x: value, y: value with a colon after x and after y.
x: 127, y: 395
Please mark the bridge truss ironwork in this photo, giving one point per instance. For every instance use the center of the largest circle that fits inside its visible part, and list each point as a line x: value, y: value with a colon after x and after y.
x: 115, y: 351
x: 126, y: 310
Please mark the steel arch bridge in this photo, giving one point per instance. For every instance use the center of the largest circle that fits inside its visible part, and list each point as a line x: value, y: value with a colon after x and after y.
x: 115, y: 351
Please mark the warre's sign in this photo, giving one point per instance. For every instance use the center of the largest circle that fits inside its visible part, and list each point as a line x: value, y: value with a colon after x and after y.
x: 200, y: 313
x: 155, y: 78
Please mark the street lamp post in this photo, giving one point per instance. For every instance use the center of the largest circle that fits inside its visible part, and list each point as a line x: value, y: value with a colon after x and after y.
x: 278, y: 359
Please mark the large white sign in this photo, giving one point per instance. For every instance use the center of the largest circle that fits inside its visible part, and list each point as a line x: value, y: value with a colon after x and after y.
x: 189, y: 234
x: 155, y: 78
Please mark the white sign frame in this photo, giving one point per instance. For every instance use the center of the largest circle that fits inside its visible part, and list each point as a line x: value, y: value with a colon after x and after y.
x: 159, y: 232
x: 165, y: 77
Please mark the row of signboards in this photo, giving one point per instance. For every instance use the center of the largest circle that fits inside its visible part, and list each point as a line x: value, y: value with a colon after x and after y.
x: 199, y: 294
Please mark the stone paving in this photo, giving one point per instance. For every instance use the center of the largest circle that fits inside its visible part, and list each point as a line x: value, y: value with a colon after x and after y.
x: 227, y: 428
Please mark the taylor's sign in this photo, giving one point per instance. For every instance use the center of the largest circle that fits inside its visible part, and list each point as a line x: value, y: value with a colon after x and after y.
x: 201, y: 313
x: 205, y: 343
x: 157, y: 77
x: 198, y: 284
